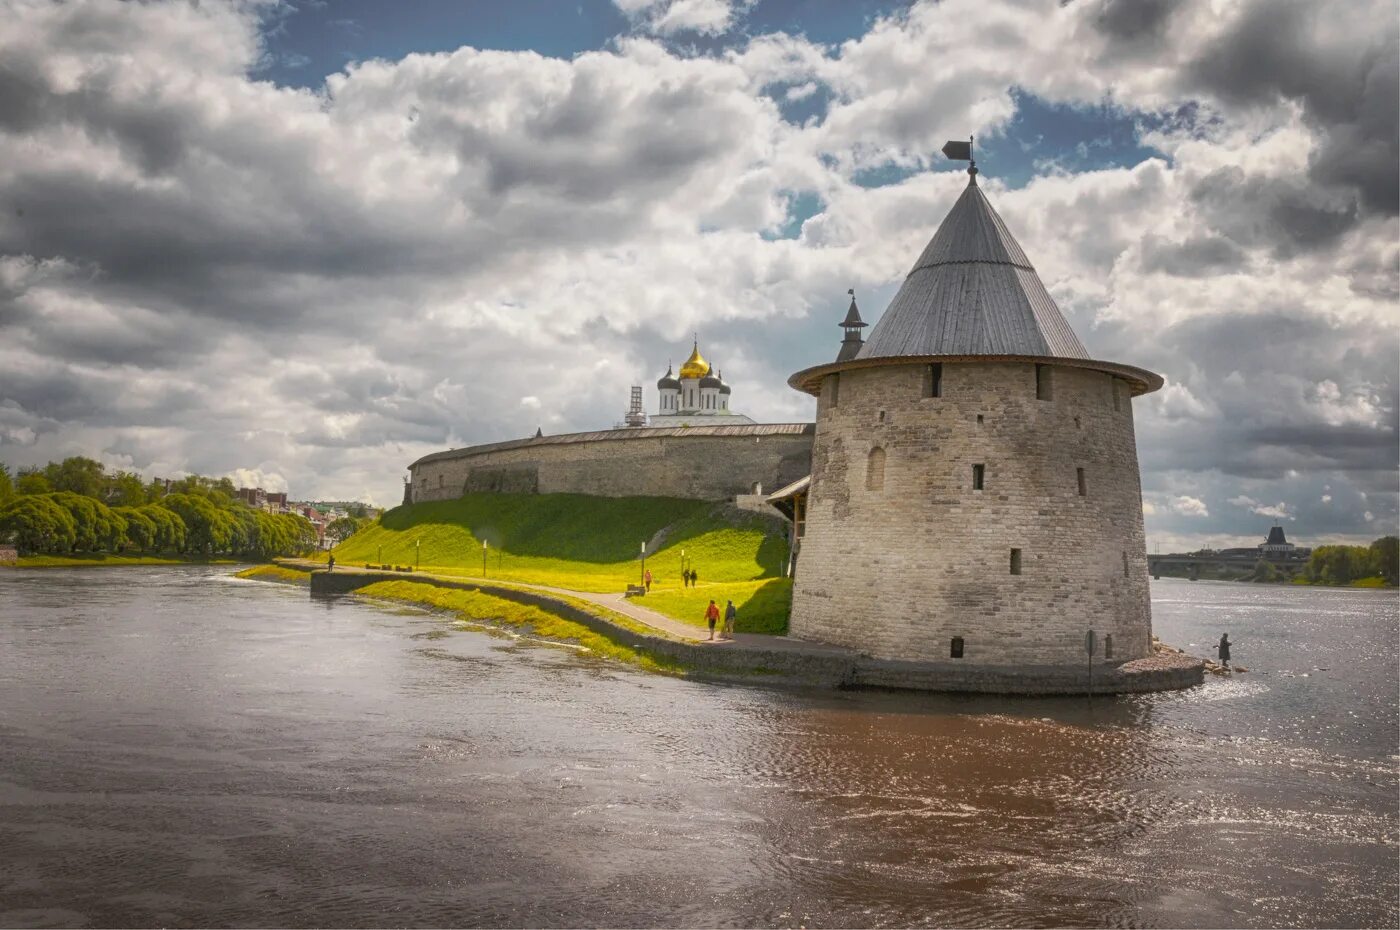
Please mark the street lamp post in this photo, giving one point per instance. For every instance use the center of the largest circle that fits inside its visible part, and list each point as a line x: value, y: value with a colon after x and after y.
x: 644, y: 564
x: 484, y: 546
x: 418, y: 553
x: 381, y: 553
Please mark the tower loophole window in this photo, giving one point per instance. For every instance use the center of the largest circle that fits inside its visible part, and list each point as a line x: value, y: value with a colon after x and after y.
x: 956, y: 649
x: 875, y: 470
x: 833, y: 390
x: 979, y: 474
x: 1117, y: 395
x: 1015, y: 561
x: 933, y: 380
x: 1125, y: 563
x: 1108, y: 646
x: 1044, y: 389
x: 1083, y: 487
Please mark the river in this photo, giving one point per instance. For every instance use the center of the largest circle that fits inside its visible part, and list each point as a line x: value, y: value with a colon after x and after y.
x: 179, y: 747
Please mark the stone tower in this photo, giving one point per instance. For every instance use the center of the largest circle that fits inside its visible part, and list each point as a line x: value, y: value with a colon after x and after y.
x: 975, y: 495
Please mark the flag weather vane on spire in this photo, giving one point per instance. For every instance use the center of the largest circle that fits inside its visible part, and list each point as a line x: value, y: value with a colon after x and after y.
x: 962, y: 151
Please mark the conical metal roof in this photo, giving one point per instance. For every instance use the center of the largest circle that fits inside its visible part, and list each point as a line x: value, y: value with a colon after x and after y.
x: 972, y: 292
x: 972, y: 295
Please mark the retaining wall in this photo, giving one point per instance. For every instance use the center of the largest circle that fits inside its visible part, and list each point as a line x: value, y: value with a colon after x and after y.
x: 823, y: 667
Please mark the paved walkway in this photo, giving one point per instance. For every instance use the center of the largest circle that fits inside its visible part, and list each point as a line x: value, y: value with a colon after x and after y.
x: 626, y: 606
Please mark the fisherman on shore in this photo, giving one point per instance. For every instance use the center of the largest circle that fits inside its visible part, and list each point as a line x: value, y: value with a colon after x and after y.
x: 331, y: 565
x: 1225, y: 650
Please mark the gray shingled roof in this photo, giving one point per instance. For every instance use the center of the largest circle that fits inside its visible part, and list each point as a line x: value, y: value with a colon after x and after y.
x: 972, y: 292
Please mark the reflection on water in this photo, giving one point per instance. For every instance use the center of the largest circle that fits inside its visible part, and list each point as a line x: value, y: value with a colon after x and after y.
x: 182, y: 748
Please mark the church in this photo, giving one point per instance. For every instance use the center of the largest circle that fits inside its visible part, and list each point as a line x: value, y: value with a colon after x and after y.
x: 697, y: 396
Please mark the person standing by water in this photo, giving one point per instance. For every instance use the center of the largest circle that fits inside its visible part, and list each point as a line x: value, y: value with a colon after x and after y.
x: 648, y: 581
x: 330, y: 567
x: 729, y: 614
x: 1225, y: 650
x: 712, y: 616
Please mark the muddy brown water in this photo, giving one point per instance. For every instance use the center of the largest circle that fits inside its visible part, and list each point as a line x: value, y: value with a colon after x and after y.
x: 180, y: 748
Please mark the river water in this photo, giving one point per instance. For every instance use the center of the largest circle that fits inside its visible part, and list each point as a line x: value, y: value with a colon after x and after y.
x: 178, y: 747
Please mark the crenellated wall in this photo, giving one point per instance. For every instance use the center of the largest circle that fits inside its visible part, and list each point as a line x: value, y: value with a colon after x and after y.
x: 705, y: 462
x: 901, y: 554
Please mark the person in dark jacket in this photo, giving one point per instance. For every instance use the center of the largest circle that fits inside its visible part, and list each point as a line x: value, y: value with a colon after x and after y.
x: 1225, y: 649
x: 729, y: 614
x: 331, y: 566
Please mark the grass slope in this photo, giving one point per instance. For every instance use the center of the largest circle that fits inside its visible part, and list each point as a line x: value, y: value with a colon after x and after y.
x: 278, y: 573
x: 593, y: 544
x: 474, y: 606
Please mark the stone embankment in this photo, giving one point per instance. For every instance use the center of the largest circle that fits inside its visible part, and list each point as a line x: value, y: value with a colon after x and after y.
x: 783, y: 660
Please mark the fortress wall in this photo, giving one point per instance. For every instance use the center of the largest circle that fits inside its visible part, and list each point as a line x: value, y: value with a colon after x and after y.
x: 899, y: 571
x: 621, y: 464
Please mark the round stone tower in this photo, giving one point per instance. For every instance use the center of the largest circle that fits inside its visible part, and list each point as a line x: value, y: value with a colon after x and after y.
x: 975, y: 495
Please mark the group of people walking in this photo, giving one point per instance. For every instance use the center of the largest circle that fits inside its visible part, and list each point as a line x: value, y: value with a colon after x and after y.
x: 689, y: 577
x: 712, y: 617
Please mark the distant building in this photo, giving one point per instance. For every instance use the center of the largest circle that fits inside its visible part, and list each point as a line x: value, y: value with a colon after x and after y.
x: 698, y: 396
x: 1276, y: 541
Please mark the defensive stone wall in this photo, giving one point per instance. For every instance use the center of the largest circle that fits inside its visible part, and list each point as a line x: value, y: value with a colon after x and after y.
x: 901, y: 553
x: 704, y: 462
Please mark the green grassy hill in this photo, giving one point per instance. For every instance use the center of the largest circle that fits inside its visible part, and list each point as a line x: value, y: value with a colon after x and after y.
x: 594, y: 544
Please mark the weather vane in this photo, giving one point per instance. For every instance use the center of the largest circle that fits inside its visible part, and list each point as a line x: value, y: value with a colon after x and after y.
x: 962, y: 151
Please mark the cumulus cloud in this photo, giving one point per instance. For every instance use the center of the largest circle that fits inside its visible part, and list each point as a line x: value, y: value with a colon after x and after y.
x: 202, y: 271
x: 1279, y: 511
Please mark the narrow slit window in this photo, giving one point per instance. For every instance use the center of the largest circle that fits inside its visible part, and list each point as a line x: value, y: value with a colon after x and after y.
x: 882, y: 416
x: 875, y: 470
x: 1043, y: 388
x: 1125, y: 563
x: 1108, y: 646
x: 1083, y: 488
x: 834, y: 391
x: 979, y: 419
x: 1117, y: 395
x: 979, y: 474
x: 1076, y: 423
x: 956, y: 649
x: 1015, y: 561
x: 933, y: 380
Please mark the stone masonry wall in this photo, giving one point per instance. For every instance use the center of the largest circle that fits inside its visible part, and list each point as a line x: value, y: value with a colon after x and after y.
x: 898, y: 568
x: 704, y: 467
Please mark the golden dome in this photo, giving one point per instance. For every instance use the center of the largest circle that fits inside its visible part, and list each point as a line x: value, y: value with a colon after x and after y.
x: 695, y: 366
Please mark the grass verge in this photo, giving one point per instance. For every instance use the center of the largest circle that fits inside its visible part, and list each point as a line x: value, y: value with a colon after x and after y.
x: 476, y: 607
x: 277, y: 573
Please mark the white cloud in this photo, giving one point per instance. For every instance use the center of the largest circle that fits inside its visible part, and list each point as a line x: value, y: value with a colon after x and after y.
x: 1190, y: 506
x: 669, y: 17
x: 1279, y: 511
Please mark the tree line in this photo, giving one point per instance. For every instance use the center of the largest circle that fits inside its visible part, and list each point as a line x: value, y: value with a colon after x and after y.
x: 1345, y: 564
x: 76, y: 506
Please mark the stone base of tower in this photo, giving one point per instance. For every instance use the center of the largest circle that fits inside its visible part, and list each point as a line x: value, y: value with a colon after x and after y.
x: 1161, y: 672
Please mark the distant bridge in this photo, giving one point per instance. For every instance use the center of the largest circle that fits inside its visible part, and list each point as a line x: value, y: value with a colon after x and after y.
x: 1194, y: 562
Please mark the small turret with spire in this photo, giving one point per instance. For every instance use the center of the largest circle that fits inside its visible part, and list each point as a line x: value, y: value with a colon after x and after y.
x: 852, y: 325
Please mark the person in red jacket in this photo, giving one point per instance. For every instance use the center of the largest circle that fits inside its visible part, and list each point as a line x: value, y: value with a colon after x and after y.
x: 712, y: 615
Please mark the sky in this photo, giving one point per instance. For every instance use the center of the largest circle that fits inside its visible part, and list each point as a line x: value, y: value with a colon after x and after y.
x: 304, y: 243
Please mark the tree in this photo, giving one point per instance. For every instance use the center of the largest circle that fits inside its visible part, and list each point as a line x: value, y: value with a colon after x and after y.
x: 204, y: 531
x: 95, y: 525
x: 169, y: 528
x: 7, y: 485
x: 76, y: 474
x: 140, y: 529
x: 124, y: 489
x: 1385, y: 558
x: 343, y: 528
x: 32, y: 481
x: 37, y: 524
